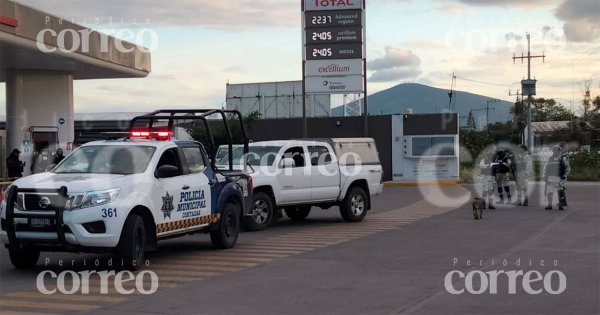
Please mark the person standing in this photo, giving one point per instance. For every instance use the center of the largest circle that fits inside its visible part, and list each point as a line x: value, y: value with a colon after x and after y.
x: 523, y: 168
x: 555, y: 175
x: 504, y: 160
x: 486, y: 166
x: 14, y: 165
x: 59, y: 156
x: 40, y: 162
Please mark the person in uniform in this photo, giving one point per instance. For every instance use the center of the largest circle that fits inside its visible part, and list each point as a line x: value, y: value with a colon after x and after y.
x: 59, y: 156
x: 504, y: 160
x: 555, y: 175
x: 14, y: 165
x: 523, y: 168
x: 486, y: 166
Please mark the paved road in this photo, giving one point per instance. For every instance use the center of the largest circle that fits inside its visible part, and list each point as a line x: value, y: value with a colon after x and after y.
x: 393, y: 262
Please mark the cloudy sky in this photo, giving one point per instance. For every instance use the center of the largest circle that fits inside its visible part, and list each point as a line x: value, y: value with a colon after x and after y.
x: 200, y: 45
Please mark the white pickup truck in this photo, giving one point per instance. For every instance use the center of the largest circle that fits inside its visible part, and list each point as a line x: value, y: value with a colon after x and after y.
x: 122, y: 196
x: 295, y: 175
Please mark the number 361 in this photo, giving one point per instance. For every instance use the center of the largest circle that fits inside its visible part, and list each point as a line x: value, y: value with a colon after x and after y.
x: 109, y: 213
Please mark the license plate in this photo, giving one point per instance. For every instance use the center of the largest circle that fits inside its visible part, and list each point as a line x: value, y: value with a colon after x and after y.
x: 37, y: 222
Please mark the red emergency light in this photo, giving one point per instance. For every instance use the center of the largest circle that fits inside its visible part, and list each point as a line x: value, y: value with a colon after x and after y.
x: 7, y: 20
x: 144, y: 134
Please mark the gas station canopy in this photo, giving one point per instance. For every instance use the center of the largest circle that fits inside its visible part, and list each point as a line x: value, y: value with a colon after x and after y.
x: 40, y: 57
x: 32, y: 39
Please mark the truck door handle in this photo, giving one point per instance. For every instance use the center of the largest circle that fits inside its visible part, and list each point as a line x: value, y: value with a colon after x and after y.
x: 186, y: 187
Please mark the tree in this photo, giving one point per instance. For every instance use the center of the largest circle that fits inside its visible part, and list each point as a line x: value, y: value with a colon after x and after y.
x: 593, y: 114
x: 549, y: 110
x: 198, y: 131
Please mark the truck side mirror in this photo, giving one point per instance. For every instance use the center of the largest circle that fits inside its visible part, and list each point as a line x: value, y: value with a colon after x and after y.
x: 287, y: 163
x: 167, y: 171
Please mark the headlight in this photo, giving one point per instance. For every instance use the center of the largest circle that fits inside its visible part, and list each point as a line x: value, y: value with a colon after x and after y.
x: 94, y: 198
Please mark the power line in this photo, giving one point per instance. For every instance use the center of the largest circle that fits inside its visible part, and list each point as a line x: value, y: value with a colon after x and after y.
x: 484, y: 82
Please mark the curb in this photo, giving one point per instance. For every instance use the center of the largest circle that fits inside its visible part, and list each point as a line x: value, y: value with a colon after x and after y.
x: 422, y: 183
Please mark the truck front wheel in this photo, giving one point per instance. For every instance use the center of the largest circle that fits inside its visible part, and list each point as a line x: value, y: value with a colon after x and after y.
x: 261, y: 212
x: 226, y: 234
x: 23, y: 257
x: 354, y: 207
x: 132, y: 243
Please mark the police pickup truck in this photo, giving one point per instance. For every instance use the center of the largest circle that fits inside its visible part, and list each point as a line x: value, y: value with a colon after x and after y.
x: 295, y: 175
x: 122, y: 196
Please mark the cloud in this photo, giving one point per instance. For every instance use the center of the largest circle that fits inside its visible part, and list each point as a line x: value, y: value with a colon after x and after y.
x: 394, y: 74
x: 454, y: 9
x: 509, y: 3
x: 238, y: 14
x: 582, y: 19
x: 395, y: 57
x: 394, y: 65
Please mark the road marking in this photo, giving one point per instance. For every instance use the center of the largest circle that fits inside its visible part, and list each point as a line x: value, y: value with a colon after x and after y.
x: 196, y: 262
x: 6, y: 312
x: 96, y: 284
x: 281, y: 247
x: 294, y: 242
x: 194, y: 267
x: 257, y: 255
x: 179, y: 279
x: 68, y: 297
x: 271, y: 251
x: 169, y: 272
x: 47, y: 305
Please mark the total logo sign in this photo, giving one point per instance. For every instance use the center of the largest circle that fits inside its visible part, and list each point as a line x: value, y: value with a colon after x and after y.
x: 333, y: 84
x: 316, y: 5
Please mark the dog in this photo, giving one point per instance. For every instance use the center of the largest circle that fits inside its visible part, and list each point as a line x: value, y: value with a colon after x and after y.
x: 478, y: 206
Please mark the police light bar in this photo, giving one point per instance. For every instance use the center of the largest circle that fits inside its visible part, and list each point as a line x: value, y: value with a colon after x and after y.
x: 144, y: 134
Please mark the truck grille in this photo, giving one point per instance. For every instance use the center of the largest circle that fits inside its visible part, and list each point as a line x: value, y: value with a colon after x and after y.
x: 41, y: 202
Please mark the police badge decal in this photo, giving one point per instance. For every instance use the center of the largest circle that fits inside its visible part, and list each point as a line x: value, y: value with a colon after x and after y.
x: 167, y: 206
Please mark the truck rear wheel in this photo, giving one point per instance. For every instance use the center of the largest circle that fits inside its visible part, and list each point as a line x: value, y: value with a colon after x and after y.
x: 23, y: 257
x: 131, y: 247
x: 298, y: 213
x: 354, y: 206
x: 226, y: 234
x: 262, y: 212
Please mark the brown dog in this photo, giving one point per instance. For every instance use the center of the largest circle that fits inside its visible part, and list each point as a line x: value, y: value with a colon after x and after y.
x: 478, y: 206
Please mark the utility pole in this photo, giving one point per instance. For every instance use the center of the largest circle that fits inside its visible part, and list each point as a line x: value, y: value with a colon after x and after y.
x: 487, y: 112
x: 518, y: 118
x: 528, y: 88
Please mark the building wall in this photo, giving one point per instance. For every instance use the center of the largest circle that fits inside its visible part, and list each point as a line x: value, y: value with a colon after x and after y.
x: 425, y: 147
x: 380, y: 128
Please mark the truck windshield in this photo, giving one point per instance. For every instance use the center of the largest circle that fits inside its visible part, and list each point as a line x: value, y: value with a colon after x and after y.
x: 107, y: 159
x: 257, y: 156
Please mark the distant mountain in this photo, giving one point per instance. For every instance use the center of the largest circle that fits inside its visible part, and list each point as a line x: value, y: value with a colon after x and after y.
x: 423, y: 99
